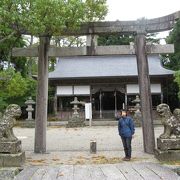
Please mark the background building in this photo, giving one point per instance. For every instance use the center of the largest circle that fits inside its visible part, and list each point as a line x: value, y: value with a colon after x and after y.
x: 110, y: 83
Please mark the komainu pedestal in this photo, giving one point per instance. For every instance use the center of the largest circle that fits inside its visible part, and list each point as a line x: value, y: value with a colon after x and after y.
x: 11, y: 154
x: 168, y: 143
x: 168, y: 149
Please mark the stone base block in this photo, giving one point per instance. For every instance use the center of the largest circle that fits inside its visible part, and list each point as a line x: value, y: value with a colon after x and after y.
x: 8, y: 173
x: 168, y: 144
x: 168, y: 155
x: 10, y: 147
x: 76, y: 122
x: 27, y: 123
x: 12, y: 160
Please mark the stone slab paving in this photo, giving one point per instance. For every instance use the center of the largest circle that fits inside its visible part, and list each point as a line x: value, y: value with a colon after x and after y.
x: 121, y: 171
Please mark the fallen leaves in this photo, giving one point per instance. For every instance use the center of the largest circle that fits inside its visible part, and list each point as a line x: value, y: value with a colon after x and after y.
x: 81, y: 160
x: 101, y: 159
x: 55, y: 159
x: 36, y: 162
x: 105, y: 160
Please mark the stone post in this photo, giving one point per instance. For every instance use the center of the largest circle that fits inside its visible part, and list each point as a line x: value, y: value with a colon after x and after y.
x: 93, y: 147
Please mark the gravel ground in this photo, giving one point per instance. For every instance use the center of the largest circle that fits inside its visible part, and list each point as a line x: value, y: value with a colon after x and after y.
x: 71, y: 145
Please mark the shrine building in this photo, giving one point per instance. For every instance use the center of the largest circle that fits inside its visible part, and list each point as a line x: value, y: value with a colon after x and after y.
x: 110, y: 83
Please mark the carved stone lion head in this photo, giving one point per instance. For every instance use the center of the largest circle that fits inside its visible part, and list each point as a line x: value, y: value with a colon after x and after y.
x: 177, y: 113
x: 13, y: 110
x: 163, y: 110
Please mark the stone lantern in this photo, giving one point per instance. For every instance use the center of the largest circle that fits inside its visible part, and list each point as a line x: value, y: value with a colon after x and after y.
x: 29, y: 108
x: 75, y: 107
x: 75, y: 120
x: 137, y: 102
x: 137, y: 114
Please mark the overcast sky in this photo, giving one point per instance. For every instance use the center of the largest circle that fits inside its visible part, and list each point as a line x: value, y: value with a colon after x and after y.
x: 135, y: 9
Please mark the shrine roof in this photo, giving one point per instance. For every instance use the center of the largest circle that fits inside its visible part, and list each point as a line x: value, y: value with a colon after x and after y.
x: 105, y: 66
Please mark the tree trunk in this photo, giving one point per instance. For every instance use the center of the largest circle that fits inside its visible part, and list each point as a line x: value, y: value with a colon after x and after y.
x: 145, y: 94
x: 42, y: 96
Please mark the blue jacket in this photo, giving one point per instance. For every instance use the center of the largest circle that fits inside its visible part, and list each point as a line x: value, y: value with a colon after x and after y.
x: 126, y: 127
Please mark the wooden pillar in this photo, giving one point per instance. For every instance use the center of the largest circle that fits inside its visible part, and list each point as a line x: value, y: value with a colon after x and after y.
x: 126, y: 107
x: 115, y: 103
x: 145, y: 93
x: 100, y: 105
x: 55, y: 104
x: 60, y: 107
x: 90, y: 97
x: 42, y: 97
x: 162, y: 97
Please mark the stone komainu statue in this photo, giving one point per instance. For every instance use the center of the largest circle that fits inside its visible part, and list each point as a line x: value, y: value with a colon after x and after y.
x: 7, y: 122
x: 170, y: 121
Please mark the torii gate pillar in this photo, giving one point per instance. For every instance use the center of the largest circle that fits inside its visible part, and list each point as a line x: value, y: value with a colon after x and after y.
x: 42, y: 97
x: 145, y: 92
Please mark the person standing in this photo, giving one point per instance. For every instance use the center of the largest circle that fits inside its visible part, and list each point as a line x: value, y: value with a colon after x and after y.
x: 126, y: 130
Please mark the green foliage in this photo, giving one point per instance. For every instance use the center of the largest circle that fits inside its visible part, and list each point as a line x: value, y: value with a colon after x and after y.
x: 40, y: 18
x: 70, y: 41
x: 177, y: 80
x: 17, y: 86
x: 170, y: 93
x: 172, y: 61
x: 3, y: 103
x: 106, y: 40
x: 14, y: 88
x: 119, y: 39
x: 151, y: 38
x: 6, y: 46
x: 49, y: 17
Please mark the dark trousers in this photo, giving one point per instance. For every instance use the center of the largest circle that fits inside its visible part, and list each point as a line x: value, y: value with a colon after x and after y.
x: 127, y: 146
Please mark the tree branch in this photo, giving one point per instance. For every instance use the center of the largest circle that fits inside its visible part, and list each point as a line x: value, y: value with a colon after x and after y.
x: 7, y: 37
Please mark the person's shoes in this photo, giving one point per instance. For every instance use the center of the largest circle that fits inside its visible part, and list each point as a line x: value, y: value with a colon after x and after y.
x: 126, y: 159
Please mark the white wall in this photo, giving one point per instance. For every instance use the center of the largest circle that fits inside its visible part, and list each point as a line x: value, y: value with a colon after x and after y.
x: 78, y: 90
x: 73, y: 90
x: 134, y: 88
x: 64, y: 90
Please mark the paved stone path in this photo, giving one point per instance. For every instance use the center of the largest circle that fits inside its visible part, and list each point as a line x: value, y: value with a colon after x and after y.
x: 121, y: 171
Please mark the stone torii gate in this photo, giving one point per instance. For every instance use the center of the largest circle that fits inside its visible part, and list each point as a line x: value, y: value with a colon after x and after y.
x: 139, y: 28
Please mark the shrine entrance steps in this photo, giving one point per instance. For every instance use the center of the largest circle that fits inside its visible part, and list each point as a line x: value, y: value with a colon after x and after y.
x: 120, y: 171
